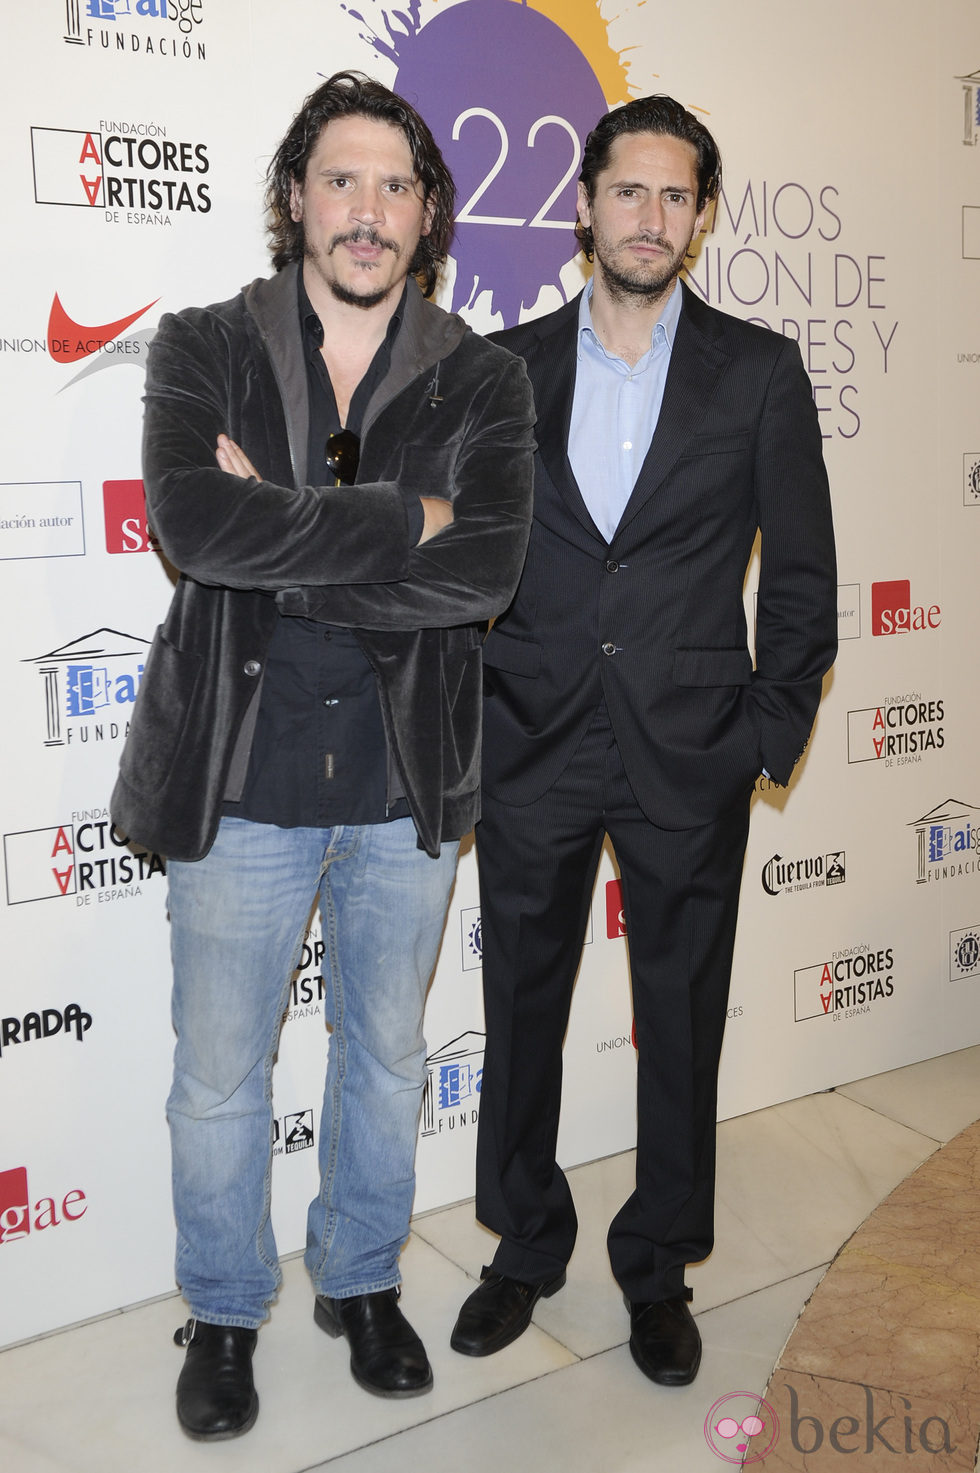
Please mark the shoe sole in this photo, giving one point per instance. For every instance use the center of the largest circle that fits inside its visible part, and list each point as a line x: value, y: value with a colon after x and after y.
x: 221, y: 1436
x: 392, y: 1395
x: 666, y: 1378
x: 516, y: 1331
x: 333, y: 1327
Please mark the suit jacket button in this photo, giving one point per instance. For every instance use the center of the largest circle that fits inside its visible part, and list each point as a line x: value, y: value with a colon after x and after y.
x: 252, y: 667
x: 608, y: 648
x: 612, y: 566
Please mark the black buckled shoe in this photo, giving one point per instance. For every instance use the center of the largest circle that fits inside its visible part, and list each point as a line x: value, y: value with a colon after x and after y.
x: 498, y: 1312
x: 386, y: 1356
x: 665, y: 1341
x: 215, y: 1391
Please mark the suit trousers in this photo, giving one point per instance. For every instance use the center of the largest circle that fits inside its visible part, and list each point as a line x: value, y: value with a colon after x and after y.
x: 537, y: 867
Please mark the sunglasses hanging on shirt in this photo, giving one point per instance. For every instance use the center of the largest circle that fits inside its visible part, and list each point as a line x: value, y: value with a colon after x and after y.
x: 343, y: 456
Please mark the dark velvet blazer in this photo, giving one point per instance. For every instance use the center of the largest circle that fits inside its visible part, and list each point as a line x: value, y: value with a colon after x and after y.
x: 452, y: 418
x: 654, y: 622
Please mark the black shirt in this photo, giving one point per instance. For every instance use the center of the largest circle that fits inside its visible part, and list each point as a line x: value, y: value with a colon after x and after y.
x: 319, y: 755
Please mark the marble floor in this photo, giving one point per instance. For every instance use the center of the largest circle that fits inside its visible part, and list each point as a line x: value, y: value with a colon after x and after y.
x: 794, y: 1183
x: 886, y: 1356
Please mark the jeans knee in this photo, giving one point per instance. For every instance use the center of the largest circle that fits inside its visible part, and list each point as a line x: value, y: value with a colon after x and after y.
x: 220, y: 1091
x: 401, y: 1057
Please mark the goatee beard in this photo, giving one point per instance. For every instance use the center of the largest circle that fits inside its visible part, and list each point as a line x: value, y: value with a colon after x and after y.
x: 627, y: 285
x: 362, y: 235
x: 631, y: 283
x: 356, y: 299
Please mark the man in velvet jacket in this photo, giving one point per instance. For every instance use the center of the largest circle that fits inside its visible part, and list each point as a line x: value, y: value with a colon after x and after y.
x: 342, y: 473
x: 622, y: 700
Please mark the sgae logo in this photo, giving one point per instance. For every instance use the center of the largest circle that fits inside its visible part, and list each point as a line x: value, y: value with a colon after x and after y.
x: 19, y: 1217
x: 892, y: 611
x: 126, y: 527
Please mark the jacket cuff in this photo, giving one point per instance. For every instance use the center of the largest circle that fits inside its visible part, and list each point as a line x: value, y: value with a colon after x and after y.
x: 416, y: 518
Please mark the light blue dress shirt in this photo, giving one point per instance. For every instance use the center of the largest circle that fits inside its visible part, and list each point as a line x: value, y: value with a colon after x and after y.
x: 615, y: 409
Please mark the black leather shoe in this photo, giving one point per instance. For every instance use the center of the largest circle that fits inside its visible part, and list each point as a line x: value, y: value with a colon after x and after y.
x: 664, y: 1340
x: 215, y: 1391
x: 386, y: 1355
x: 498, y: 1311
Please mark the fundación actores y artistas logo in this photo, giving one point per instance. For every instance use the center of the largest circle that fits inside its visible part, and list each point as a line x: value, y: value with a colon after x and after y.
x: 847, y: 984
x: 87, y: 858
x: 896, y: 732
x: 131, y: 172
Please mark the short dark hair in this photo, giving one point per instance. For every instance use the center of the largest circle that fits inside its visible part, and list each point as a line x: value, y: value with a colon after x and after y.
x: 345, y: 95
x: 655, y: 114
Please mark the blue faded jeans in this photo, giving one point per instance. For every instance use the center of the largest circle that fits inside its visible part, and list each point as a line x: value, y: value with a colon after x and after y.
x: 238, y: 918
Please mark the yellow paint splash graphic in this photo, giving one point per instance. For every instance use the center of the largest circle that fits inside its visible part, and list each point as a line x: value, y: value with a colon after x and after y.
x: 582, y: 22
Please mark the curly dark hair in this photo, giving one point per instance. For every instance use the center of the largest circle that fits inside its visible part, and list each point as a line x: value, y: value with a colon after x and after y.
x: 655, y: 114
x: 351, y: 94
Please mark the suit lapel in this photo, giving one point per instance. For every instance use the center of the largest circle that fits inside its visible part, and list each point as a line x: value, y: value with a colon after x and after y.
x: 696, y: 360
x: 552, y: 373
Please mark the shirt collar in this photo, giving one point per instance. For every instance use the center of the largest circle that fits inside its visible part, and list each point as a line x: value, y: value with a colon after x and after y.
x: 312, y: 327
x: 664, y: 330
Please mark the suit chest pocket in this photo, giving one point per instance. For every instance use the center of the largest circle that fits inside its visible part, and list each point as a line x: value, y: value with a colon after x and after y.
x: 702, y: 445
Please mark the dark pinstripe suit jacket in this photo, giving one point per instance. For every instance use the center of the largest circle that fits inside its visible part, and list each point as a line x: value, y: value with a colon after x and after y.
x: 654, y: 621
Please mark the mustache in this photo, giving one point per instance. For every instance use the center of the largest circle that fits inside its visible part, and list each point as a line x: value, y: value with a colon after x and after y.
x: 660, y: 241
x: 364, y: 235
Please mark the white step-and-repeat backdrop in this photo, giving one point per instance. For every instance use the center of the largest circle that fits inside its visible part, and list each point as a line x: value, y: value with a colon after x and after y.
x: 135, y: 135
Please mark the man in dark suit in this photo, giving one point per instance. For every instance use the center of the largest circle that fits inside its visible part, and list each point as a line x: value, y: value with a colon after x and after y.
x: 622, y: 700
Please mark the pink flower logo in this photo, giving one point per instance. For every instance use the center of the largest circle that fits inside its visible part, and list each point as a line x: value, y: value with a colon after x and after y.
x: 733, y: 1420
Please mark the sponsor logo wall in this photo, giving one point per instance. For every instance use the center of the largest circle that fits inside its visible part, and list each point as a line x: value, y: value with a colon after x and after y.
x: 139, y: 189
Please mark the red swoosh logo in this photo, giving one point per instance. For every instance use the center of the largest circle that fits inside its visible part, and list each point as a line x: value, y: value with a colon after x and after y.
x: 69, y: 340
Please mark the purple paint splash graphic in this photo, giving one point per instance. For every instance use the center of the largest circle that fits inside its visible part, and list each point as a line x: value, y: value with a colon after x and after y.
x: 510, y: 99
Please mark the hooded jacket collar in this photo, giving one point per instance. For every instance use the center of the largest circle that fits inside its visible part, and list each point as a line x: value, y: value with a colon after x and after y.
x: 426, y: 337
